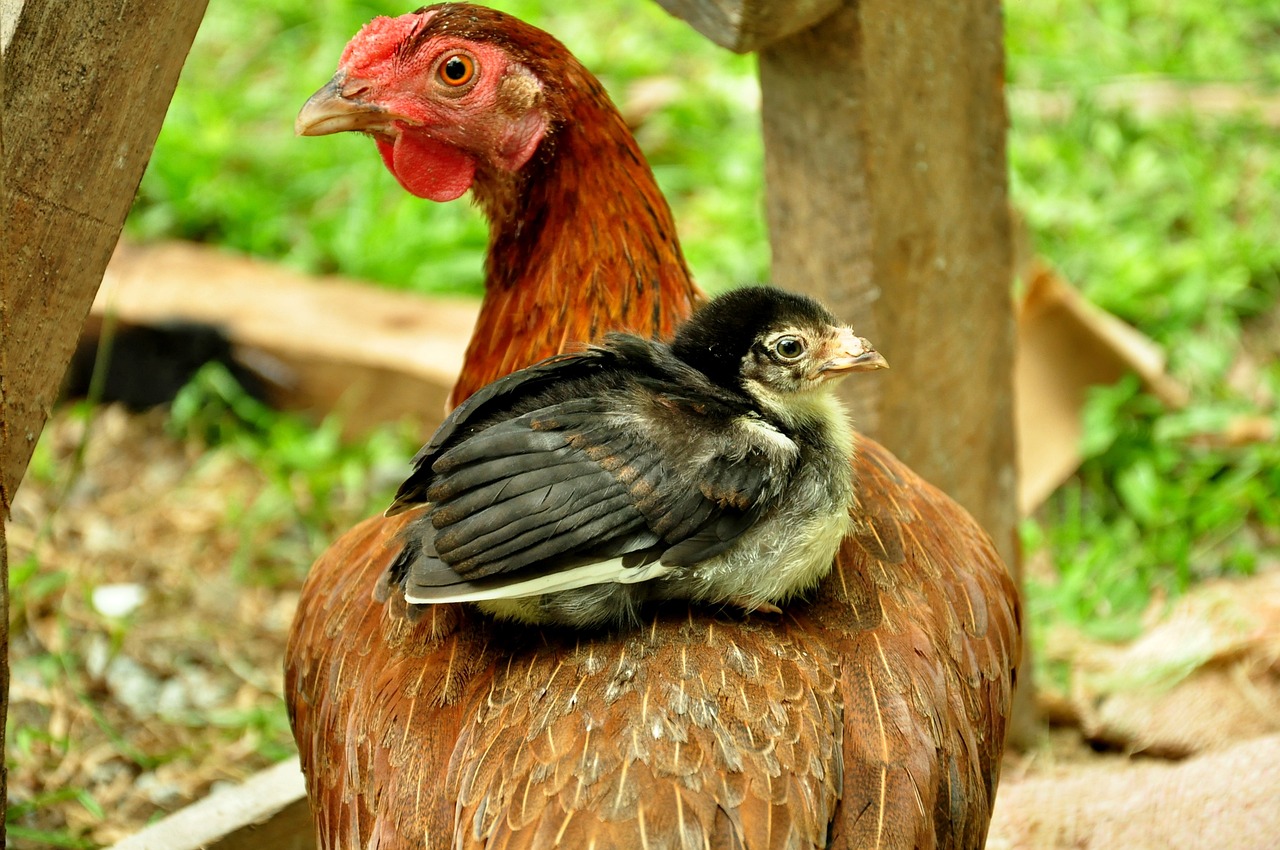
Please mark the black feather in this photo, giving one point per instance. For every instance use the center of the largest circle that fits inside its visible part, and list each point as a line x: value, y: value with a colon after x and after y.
x: 715, y: 340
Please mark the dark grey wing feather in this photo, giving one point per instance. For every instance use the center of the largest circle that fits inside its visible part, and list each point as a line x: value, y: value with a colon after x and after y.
x: 490, y: 403
x: 592, y: 475
x: 468, y: 493
x: 484, y: 546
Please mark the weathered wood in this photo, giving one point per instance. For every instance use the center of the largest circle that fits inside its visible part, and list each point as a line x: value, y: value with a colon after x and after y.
x: 84, y: 89
x: 885, y: 163
x: 269, y: 810
x: 747, y: 25
x: 87, y: 86
x: 8, y: 9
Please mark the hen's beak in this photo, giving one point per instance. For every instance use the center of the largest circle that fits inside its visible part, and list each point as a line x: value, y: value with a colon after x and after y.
x: 337, y: 108
x: 848, y: 353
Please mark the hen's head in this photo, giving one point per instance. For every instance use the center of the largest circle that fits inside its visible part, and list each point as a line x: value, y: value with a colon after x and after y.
x: 444, y: 91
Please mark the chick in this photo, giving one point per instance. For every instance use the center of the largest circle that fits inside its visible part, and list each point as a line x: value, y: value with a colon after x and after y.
x: 713, y: 469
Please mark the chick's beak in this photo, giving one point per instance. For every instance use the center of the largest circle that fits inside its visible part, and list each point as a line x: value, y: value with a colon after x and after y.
x: 849, y: 353
x: 337, y: 107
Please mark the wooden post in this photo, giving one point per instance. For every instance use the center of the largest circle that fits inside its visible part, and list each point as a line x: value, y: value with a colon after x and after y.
x: 6, y: 10
x: 87, y: 86
x: 885, y: 160
x: 85, y: 89
x: 884, y: 131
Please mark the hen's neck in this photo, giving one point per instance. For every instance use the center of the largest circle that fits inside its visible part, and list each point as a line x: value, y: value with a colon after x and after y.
x: 581, y: 243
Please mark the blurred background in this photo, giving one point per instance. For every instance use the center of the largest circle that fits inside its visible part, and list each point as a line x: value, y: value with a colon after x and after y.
x: 156, y: 556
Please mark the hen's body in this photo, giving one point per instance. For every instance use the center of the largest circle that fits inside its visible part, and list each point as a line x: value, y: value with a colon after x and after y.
x: 872, y: 717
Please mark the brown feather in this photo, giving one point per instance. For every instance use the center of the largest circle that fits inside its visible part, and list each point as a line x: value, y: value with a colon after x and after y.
x: 876, y: 712
x: 872, y: 716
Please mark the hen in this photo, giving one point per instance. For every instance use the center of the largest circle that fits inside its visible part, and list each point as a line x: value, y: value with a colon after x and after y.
x: 873, y: 716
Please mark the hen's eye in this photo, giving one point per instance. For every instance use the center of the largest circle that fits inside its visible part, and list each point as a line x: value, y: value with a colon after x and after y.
x: 789, y: 347
x: 457, y: 70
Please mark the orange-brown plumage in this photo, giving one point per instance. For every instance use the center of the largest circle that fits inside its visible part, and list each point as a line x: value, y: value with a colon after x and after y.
x: 872, y: 716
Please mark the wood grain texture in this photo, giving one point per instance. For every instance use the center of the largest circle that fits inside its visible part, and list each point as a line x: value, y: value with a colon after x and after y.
x: 86, y: 89
x: 885, y: 164
x: 747, y: 25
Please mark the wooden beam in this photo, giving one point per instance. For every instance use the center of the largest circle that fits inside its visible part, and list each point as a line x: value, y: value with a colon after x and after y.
x: 747, y: 25
x: 268, y: 810
x: 8, y: 18
x: 885, y: 162
x: 86, y: 89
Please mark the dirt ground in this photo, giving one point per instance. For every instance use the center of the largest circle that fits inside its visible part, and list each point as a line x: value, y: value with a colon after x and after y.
x: 153, y: 586
x: 147, y: 629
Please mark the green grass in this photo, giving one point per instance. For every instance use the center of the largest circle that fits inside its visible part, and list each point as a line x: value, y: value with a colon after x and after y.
x: 1080, y: 43
x: 1170, y: 223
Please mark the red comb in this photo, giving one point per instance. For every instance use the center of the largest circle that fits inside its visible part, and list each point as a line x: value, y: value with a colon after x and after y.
x: 378, y: 39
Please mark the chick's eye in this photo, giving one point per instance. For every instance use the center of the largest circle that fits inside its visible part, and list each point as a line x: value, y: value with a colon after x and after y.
x: 457, y: 70
x: 789, y: 347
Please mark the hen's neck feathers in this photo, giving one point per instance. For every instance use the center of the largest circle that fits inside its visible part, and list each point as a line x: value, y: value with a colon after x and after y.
x: 581, y: 242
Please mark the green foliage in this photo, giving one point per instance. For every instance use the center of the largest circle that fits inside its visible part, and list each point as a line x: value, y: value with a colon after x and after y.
x: 314, y: 474
x: 1169, y: 222
x: 1156, y: 505
x: 1078, y: 43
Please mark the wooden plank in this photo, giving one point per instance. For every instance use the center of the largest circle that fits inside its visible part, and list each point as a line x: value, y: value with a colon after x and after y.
x: 267, y: 810
x: 372, y: 355
x: 747, y: 25
x: 86, y: 88
x: 1151, y: 99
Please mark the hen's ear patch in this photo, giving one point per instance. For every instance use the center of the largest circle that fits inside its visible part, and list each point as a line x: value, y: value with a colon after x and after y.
x: 520, y: 98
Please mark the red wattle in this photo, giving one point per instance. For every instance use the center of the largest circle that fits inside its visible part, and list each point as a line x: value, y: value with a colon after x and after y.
x: 427, y: 168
